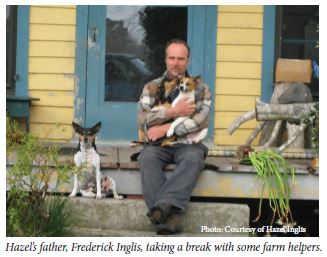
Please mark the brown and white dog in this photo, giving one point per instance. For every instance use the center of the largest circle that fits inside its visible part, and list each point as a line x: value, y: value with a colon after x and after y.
x: 186, y: 86
x: 90, y: 182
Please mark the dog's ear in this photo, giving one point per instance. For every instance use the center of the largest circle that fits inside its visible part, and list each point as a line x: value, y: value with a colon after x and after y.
x: 77, y: 128
x: 96, y: 128
x: 197, y: 78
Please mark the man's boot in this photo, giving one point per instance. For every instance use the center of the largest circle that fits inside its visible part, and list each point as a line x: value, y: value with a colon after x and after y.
x: 172, y: 225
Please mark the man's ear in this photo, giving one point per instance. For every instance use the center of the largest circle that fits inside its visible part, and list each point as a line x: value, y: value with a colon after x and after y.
x: 77, y: 128
x: 96, y: 128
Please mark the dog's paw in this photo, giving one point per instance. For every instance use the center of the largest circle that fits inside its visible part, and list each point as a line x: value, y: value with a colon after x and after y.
x: 170, y: 132
x: 72, y: 195
x: 118, y: 197
x: 98, y: 196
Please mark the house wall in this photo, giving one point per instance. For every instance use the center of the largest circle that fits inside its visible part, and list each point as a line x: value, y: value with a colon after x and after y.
x: 52, y: 61
x: 238, y: 69
x: 51, y: 70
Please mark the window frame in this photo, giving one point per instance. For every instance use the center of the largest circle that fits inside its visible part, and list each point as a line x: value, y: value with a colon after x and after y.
x: 11, y: 42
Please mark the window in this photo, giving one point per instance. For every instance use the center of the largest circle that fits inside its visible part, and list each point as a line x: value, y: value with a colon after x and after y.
x: 11, y: 25
x: 135, y: 43
x: 298, y: 36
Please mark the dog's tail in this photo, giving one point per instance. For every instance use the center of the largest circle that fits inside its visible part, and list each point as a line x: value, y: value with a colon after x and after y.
x: 134, y: 156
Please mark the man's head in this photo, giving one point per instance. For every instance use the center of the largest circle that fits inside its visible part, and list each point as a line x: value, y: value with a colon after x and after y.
x: 177, y: 57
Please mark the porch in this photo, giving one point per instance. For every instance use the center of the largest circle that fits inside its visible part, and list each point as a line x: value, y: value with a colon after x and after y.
x: 229, y: 180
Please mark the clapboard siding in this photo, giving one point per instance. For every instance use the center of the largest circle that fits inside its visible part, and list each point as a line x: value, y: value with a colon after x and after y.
x: 239, y: 53
x: 240, y: 20
x: 54, y: 15
x: 54, y: 98
x: 238, y: 69
x: 52, y: 32
x: 236, y: 86
x: 52, y: 49
x: 51, y: 70
x: 44, y: 114
x: 62, y: 82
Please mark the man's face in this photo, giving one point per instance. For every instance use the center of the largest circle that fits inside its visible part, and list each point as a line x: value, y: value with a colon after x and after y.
x: 176, y: 60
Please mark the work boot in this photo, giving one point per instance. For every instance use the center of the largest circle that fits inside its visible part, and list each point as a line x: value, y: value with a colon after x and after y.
x: 172, y: 225
x: 159, y: 213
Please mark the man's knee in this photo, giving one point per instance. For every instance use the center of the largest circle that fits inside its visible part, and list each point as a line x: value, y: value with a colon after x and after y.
x: 147, y: 156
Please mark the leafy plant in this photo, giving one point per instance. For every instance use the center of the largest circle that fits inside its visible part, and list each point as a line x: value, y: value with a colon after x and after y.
x: 312, y: 119
x: 36, y: 171
x: 275, y: 173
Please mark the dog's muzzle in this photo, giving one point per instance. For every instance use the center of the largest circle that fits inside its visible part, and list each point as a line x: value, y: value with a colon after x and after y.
x: 182, y: 87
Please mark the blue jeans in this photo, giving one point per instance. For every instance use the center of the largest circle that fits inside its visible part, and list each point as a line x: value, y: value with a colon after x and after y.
x: 157, y: 187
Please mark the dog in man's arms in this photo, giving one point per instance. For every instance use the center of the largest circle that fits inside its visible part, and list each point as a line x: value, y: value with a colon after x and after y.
x: 186, y: 88
x: 90, y: 181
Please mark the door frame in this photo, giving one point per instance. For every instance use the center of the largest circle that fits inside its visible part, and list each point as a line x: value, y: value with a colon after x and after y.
x: 202, y: 29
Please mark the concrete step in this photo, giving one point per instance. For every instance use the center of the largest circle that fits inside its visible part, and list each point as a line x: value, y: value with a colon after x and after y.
x: 107, y: 217
x: 98, y: 232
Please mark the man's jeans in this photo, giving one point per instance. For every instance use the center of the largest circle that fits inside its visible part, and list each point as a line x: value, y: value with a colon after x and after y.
x: 177, y: 188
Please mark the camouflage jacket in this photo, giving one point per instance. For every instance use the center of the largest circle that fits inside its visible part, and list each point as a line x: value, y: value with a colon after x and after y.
x: 150, y: 96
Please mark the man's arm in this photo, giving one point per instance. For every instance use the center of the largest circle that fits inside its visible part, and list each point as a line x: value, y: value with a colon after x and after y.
x: 147, y: 117
x: 181, y: 109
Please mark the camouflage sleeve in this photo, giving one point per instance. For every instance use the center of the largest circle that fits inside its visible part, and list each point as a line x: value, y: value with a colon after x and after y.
x: 200, y: 118
x: 146, y: 116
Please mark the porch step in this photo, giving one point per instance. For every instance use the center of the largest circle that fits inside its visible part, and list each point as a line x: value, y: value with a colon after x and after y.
x: 109, y: 217
x: 98, y: 232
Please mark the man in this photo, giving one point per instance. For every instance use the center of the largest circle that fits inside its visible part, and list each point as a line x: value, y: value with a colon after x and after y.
x: 167, y: 198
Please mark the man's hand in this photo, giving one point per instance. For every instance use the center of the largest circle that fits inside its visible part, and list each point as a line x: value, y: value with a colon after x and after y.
x: 157, y: 132
x: 184, y: 107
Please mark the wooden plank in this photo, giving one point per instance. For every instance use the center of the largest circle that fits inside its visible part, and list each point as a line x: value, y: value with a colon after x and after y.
x: 239, y: 53
x: 51, y: 82
x: 51, y: 65
x: 53, y: 98
x: 53, y: 15
x: 52, y: 32
x: 237, y: 138
x: 241, y: 8
x: 238, y: 86
x: 234, y: 103
x: 238, y: 70
x: 224, y: 119
x: 51, y: 132
x: 52, y: 49
x: 42, y: 114
x: 236, y: 36
x: 240, y: 20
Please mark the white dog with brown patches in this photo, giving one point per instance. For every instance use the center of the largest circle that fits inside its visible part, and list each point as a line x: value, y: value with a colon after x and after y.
x: 90, y: 183
x: 186, y: 88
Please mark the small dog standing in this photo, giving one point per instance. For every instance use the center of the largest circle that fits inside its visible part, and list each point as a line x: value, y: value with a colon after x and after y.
x: 90, y: 184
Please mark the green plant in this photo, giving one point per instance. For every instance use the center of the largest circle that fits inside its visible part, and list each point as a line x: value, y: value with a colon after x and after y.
x: 312, y: 119
x: 59, y: 220
x: 275, y: 174
x: 36, y: 171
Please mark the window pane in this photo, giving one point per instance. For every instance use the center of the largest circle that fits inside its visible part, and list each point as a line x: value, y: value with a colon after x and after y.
x: 135, y: 43
x: 300, y: 36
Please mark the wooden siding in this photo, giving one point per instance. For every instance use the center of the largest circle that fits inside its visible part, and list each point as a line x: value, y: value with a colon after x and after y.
x: 51, y: 70
x: 238, y: 69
